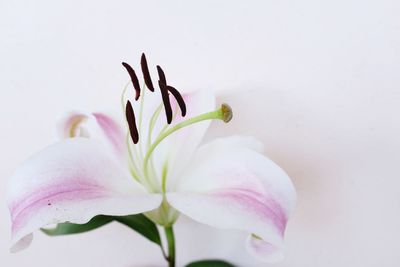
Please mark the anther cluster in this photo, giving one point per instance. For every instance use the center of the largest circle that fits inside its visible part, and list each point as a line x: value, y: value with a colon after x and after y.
x: 165, y: 90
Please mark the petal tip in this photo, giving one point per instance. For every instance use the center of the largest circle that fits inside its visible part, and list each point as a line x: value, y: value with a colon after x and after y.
x: 21, y: 244
x: 264, y: 251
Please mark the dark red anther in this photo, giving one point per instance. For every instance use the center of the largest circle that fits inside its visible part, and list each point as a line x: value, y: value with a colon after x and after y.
x: 161, y: 75
x: 130, y: 117
x: 167, y: 104
x: 134, y: 79
x: 178, y: 98
x: 146, y: 73
x: 171, y: 89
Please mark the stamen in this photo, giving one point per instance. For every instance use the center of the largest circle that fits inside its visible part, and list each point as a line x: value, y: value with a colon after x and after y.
x: 146, y: 73
x: 161, y: 75
x: 167, y: 104
x: 179, y: 99
x: 130, y: 117
x: 134, y: 79
x: 171, y: 89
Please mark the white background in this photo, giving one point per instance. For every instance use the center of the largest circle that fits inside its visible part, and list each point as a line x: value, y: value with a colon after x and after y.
x: 316, y: 81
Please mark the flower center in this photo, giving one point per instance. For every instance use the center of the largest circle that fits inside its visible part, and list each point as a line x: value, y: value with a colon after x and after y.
x: 139, y: 141
x: 141, y: 155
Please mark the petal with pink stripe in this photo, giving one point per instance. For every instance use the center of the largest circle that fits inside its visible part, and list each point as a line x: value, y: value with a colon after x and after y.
x: 231, y: 186
x: 97, y: 126
x: 71, y: 181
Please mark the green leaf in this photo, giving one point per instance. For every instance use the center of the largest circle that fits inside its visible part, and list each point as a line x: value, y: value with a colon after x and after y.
x: 210, y: 263
x: 72, y: 228
x: 138, y: 222
x: 142, y: 225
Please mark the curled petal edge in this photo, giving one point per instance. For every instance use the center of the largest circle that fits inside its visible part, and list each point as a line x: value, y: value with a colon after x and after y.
x: 96, y: 125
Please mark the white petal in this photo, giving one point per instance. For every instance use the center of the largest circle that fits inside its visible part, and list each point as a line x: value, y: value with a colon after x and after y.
x: 71, y: 181
x: 177, y: 149
x: 234, y: 141
x: 233, y: 187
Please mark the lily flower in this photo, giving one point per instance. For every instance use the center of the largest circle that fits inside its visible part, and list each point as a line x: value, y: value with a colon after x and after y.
x: 155, y: 166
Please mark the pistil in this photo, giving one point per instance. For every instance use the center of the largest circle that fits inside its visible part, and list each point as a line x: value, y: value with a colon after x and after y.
x: 224, y: 113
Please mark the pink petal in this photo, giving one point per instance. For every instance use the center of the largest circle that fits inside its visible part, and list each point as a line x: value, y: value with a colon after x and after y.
x: 263, y: 250
x: 95, y: 126
x: 71, y: 181
x: 111, y: 130
x: 230, y: 186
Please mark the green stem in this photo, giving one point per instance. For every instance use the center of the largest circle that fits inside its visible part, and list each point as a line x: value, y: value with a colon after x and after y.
x: 169, y: 233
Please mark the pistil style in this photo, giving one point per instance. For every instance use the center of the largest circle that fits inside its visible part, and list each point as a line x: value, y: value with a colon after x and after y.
x: 224, y: 113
